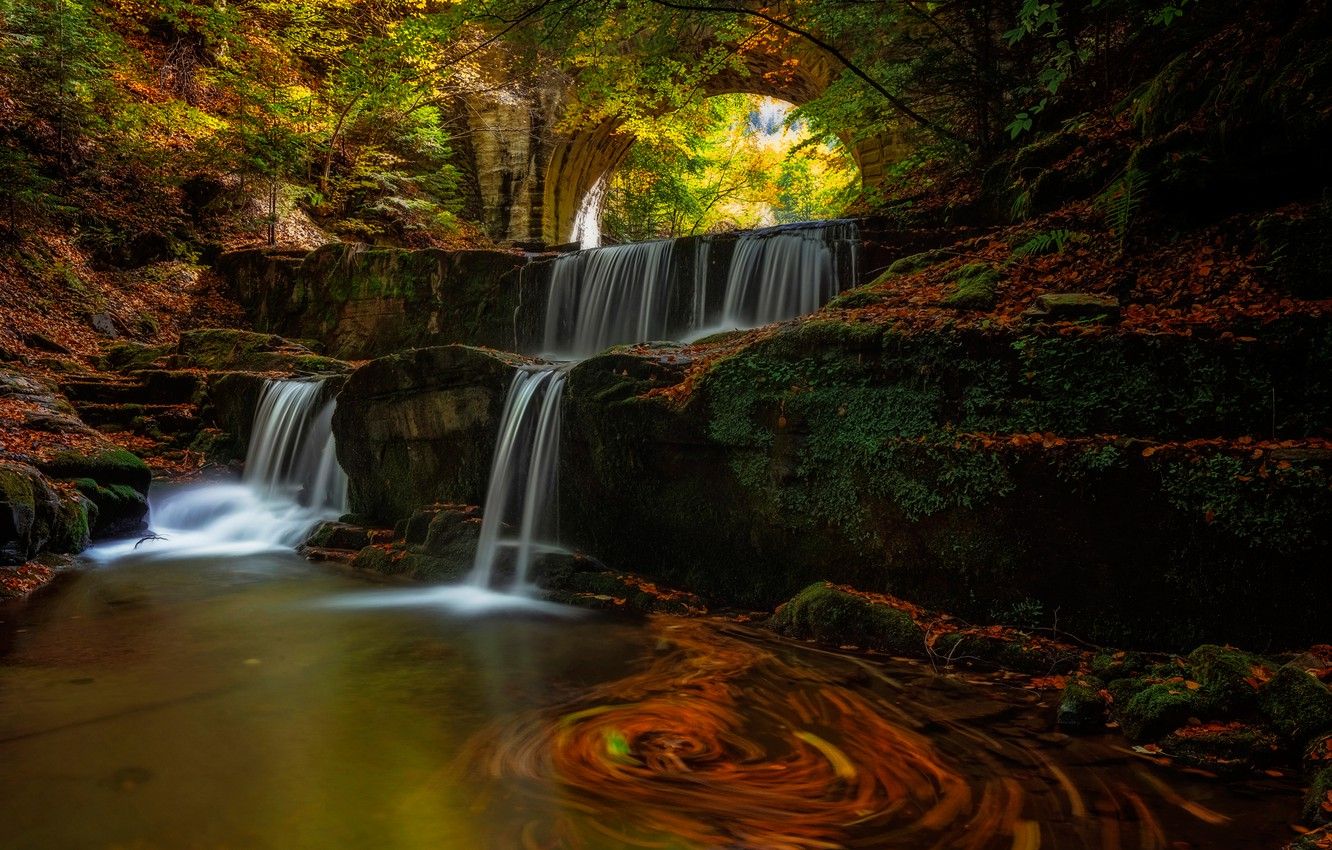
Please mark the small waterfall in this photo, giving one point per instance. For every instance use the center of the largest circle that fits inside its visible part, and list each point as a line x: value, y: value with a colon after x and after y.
x: 702, y: 253
x: 608, y: 296
x: 292, y: 481
x: 523, y: 478
x: 784, y: 272
x: 292, y: 455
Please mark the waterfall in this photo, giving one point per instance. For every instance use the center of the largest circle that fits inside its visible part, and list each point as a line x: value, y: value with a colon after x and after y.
x: 628, y: 293
x: 784, y: 272
x: 517, y: 522
x: 291, y: 453
x: 292, y: 482
x: 607, y: 296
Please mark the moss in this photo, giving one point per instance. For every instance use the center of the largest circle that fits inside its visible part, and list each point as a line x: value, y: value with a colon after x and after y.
x: 1297, y: 705
x: 127, y: 356
x: 976, y: 287
x: 106, y: 466
x: 374, y: 559
x: 1318, y: 799
x: 825, y: 614
x: 914, y: 263
x: 1081, y: 705
x: 72, y: 529
x: 1286, y: 508
x: 1156, y: 710
x: 1233, y: 747
x: 1225, y: 675
x: 1118, y: 665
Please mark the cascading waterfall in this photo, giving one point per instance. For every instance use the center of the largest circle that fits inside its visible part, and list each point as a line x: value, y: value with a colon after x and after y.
x: 627, y: 293
x: 607, y: 296
x: 292, y: 482
x: 517, y: 519
x: 784, y: 272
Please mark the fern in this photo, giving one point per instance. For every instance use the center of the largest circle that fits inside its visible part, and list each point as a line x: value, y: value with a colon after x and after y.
x: 1121, y: 201
x: 1048, y: 242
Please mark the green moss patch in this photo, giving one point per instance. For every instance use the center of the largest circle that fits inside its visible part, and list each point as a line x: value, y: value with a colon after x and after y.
x: 823, y: 613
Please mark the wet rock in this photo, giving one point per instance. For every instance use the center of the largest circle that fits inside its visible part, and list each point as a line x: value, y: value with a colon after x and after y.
x: 1081, y: 705
x: 1296, y: 704
x: 339, y: 535
x: 29, y: 512
x: 1229, y: 678
x: 828, y: 615
x: 420, y: 427
x: 1073, y: 307
x: 1156, y: 710
x: 1223, y: 747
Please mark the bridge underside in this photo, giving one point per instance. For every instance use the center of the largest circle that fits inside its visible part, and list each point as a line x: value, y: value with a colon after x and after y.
x: 530, y: 179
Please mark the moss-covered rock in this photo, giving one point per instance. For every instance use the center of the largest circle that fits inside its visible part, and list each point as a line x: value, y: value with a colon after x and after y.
x: 126, y: 356
x: 419, y: 427
x: 1296, y: 704
x: 30, y: 513
x: 1229, y: 678
x: 916, y: 262
x: 1073, y: 307
x: 975, y: 288
x: 1157, y: 710
x: 1318, y: 799
x: 1223, y: 747
x: 1082, y: 705
x: 824, y: 613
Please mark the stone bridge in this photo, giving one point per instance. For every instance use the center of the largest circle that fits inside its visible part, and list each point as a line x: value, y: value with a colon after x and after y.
x: 529, y: 178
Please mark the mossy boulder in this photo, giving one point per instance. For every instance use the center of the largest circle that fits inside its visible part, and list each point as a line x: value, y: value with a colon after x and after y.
x: 975, y: 287
x: 1082, y: 705
x: 1296, y: 704
x: 1223, y: 747
x: 118, y: 508
x: 1157, y: 710
x: 30, y: 513
x: 1229, y: 678
x: 823, y: 613
x: 420, y: 427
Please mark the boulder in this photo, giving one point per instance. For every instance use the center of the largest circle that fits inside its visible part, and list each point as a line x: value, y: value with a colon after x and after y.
x: 419, y: 427
x: 227, y: 349
x: 832, y: 616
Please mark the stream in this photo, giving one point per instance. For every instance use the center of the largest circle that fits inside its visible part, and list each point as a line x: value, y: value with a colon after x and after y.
x: 212, y: 701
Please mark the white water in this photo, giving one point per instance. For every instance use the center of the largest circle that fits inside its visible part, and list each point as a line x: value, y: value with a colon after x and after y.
x: 784, y: 272
x: 608, y: 296
x: 518, y: 514
x: 292, y: 482
x: 625, y: 293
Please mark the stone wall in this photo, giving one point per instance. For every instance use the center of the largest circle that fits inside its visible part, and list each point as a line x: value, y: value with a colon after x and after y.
x: 362, y: 302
